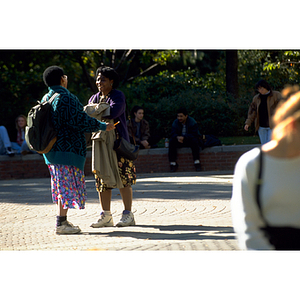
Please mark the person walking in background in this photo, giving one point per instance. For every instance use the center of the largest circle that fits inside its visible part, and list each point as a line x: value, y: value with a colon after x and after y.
x: 261, y: 110
x: 110, y: 170
x: 67, y: 157
x: 139, y: 131
x: 265, y: 198
x: 184, y: 133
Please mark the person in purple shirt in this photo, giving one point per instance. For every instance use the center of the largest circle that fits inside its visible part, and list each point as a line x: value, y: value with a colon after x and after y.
x: 107, y: 80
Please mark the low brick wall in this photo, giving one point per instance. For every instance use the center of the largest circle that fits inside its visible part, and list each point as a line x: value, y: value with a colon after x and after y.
x: 219, y: 158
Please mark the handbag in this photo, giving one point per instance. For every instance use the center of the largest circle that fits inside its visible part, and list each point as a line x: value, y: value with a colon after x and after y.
x: 126, y: 149
x: 281, y: 237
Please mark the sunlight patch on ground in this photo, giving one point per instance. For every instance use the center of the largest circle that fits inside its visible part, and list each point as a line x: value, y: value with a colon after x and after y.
x: 187, y: 180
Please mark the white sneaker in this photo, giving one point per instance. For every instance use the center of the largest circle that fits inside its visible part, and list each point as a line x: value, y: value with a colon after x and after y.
x: 104, y: 221
x: 67, y: 228
x: 127, y: 219
x: 10, y: 152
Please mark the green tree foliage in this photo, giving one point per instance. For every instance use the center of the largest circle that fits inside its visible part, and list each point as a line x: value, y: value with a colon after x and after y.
x: 204, y: 97
x: 21, y: 83
x: 204, y: 94
x: 159, y: 80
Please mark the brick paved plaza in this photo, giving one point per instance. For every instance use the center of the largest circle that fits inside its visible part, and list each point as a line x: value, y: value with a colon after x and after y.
x: 180, y: 211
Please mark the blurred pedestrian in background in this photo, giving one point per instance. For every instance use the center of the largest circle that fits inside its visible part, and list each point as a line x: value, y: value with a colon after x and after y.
x: 261, y: 110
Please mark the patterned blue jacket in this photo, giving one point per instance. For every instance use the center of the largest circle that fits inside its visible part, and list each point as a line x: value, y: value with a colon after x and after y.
x: 71, y: 122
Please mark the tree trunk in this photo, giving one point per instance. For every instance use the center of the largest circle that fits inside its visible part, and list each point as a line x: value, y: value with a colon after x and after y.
x: 232, y: 85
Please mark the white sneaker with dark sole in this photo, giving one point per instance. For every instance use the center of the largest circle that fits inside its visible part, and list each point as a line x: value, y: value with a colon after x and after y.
x: 127, y: 219
x: 104, y: 221
x: 67, y: 228
x: 10, y: 152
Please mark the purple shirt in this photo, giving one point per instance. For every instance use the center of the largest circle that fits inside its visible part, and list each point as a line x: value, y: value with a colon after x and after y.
x: 117, y: 103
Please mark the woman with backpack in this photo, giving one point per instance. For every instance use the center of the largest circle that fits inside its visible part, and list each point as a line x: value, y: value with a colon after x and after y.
x: 66, y: 158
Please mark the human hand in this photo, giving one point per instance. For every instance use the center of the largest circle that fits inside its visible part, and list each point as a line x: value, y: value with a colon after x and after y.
x: 180, y: 139
x: 110, y: 127
x: 246, y: 127
x: 145, y: 144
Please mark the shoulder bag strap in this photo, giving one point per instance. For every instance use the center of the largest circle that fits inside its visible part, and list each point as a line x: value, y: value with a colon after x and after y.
x: 259, y: 183
x: 259, y: 179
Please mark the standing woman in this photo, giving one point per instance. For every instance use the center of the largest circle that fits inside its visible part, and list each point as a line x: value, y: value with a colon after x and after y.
x: 266, y: 208
x: 262, y: 109
x: 67, y: 157
x: 119, y: 172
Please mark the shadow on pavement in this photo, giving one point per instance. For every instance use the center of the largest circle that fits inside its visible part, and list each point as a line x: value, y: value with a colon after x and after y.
x: 151, y: 187
x: 174, y: 232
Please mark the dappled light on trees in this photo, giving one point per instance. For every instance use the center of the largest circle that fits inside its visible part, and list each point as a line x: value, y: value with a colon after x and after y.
x: 160, y: 80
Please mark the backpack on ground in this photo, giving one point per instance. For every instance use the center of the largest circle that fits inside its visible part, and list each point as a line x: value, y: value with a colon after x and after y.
x: 210, y: 140
x: 40, y: 135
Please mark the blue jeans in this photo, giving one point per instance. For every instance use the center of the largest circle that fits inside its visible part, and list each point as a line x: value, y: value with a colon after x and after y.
x: 264, y: 134
x: 4, y: 140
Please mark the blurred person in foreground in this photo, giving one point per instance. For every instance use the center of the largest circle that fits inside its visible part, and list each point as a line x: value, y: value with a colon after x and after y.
x: 262, y: 109
x: 110, y: 170
x: 66, y: 159
x: 265, y: 198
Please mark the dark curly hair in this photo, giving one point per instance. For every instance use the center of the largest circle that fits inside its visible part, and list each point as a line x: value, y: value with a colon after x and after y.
x: 109, y: 73
x: 52, y: 75
x: 182, y: 110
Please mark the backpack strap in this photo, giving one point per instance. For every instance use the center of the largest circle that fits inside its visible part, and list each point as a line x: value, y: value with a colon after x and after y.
x: 259, y: 178
x: 52, y: 98
x: 259, y: 183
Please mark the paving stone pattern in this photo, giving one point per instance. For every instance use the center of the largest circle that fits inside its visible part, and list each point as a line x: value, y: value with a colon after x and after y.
x: 173, y: 211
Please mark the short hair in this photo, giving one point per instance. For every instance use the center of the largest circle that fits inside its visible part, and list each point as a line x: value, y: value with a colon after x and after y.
x: 264, y: 84
x: 182, y: 110
x: 109, y: 73
x: 135, y: 109
x: 52, y: 75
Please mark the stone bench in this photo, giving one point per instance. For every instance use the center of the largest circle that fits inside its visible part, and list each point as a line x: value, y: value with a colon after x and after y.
x: 218, y: 158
